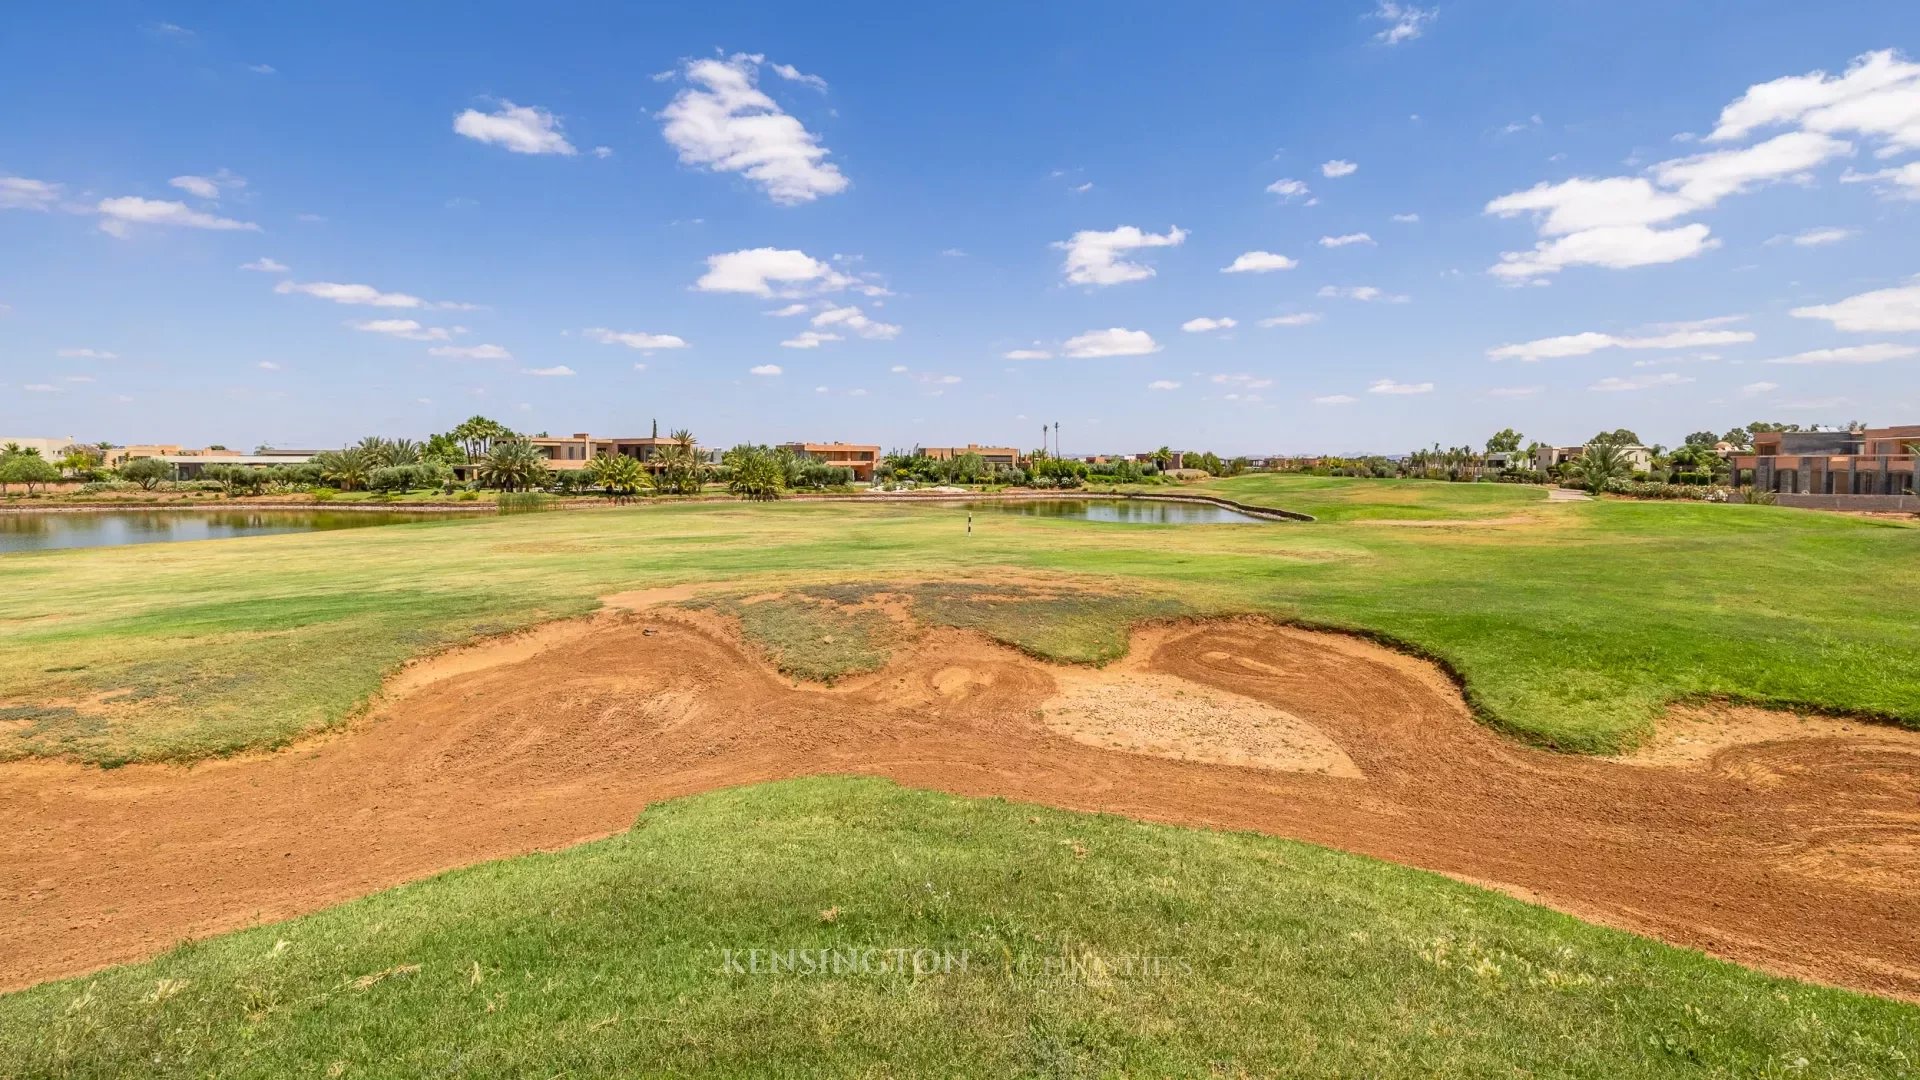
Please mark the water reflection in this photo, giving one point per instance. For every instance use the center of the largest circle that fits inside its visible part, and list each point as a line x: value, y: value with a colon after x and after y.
x: 40, y: 531
x: 1125, y: 511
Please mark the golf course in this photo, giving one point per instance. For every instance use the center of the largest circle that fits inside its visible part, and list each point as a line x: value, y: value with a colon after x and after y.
x: 1451, y: 780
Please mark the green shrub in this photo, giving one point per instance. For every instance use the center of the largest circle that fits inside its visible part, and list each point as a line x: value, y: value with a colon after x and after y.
x: 524, y: 502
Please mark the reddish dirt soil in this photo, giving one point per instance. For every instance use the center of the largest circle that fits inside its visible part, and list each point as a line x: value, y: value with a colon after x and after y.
x: 1795, y: 855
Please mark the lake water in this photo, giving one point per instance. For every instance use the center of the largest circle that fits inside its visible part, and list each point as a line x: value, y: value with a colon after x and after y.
x: 1123, y: 511
x: 110, y: 528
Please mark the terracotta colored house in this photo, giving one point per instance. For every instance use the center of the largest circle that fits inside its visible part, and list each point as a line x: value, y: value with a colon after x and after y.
x: 860, y: 458
x: 1874, y: 461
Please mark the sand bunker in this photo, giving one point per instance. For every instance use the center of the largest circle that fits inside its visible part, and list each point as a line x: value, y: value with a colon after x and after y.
x: 1127, y: 708
x: 1692, y: 736
x: 1795, y: 855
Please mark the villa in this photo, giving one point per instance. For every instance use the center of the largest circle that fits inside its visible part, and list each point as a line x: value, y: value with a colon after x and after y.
x: 1839, y: 468
x: 1547, y: 458
x: 1004, y: 457
x: 862, y: 459
x: 575, y: 451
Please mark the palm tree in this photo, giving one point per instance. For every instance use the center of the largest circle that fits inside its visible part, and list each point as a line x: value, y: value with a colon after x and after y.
x: 678, y: 462
x: 617, y: 474
x: 757, y: 472
x: 513, y: 465
x: 477, y: 434
x: 346, y: 469
x: 1599, y: 463
x: 1162, y: 458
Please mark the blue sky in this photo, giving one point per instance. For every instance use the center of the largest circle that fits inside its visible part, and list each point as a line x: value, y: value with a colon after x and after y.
x: 1561, y: 217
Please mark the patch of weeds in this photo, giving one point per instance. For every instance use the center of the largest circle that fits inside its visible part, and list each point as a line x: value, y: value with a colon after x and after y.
x: 1069, y: 625
x: 807, y: 639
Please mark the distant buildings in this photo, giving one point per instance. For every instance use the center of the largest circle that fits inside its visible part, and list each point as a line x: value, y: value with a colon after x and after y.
x: 1005, y: 457
x: 1548, y: 458
x: 1873, y: 461
x: 862, y: 459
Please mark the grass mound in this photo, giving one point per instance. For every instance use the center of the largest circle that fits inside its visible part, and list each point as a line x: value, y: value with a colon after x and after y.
x: 1058, y: 944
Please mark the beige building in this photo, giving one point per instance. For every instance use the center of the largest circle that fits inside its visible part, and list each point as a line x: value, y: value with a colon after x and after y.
x: 1005, y: 457
x: 1547, y: 458
x: 49, y: 448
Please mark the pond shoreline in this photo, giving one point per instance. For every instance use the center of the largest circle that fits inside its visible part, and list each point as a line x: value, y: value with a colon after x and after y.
x: 894, y: 497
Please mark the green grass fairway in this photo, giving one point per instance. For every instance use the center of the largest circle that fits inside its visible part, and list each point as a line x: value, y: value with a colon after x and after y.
x: 1336, y: 499
x: 1572, y: 627
x: 1093, y: 946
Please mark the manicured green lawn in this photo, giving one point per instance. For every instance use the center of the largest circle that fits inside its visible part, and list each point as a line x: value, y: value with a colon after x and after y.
x: 1336, y: 499
x: 1571, y: 628
x: 1059, y: 944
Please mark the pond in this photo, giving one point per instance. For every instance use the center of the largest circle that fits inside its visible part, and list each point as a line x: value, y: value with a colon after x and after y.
x: 111, y: 528
x: 1124, y: 511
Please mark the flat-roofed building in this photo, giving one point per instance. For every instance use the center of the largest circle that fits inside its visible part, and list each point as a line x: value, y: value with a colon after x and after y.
x: 1546, y: 458
x: 575, y: 451
x: 859, y: 457
x: 1005, y: 457
x: 1871, y: 461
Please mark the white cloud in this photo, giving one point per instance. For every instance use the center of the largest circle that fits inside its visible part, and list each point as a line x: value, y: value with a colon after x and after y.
x: 1096, y: 258
x: 1345, y: 241
x: 1683, y: 337
x: 1163, y: 384
x: 1705, y: 179
x: 1407, y: 219
x: 267, y: 365
x: 262, y: 69
x: 1902, y: 182
x: 119, y: 213
x: 1204, y: 325
x: 759, y: 270
x: 86, y: 354
x: 1757, y: 388
x: 1113, y: 341
x: 406, y: 329
x: 789, y: 311
x: 1336, y: 168
x: 209, y: 187
x: 1081, y: 189
x: 41, y: 388
x: 1259, y: 262
x: 1575, y: 206
x: 633, y: 339
x: 1816, y: 237
x: 809, y: 339
x: 1883, y: 311
x: 1405, y: 22
x: 794, y: 74
x: 1515, y: 391
x: 20, y: 193
x: 557, y: 371
x: 523, y: 129
x: 1851, y: 354
x: 1388, y: 386
x: 1878, y: 97
x: 1615, y: 384
x: 1335, y: 399
x: 266, y: 266
x: 1243, y: 381
x: 1289, y: 189
x: 341, y: 293
x: 1618, y: 247
x: 853, y: 319
x: 470, y: 352
x: 1611, y: 222
x: 764, y: 370
x: 1304, y: 318
x: 723, y: 122
x: 1362, y: 293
